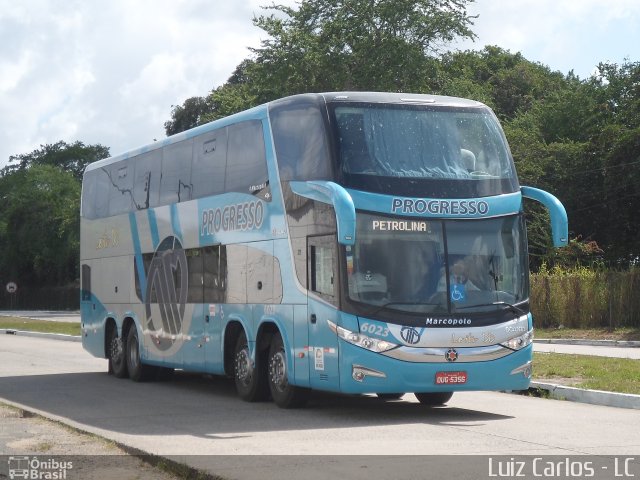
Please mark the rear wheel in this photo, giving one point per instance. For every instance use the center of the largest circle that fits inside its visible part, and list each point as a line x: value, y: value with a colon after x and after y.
x: 117, y: 362
x: 250, y: 377
x: 434, y: 398
x: 283, y: 393
x: 138, y: 371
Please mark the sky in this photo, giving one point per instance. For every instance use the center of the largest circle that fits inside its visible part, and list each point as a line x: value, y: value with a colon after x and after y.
x: 109, y: 71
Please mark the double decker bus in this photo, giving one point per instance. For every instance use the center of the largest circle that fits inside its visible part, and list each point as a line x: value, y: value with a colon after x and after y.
x: 346, y: 242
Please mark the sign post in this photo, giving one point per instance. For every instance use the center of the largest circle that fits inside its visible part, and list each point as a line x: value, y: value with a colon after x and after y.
x: 12, y: 288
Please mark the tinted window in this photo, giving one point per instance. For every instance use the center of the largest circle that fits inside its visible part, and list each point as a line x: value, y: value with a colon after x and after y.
x: 88, y: 195
x: 175, y: 184
x: 121, y: 189
x: 209, y: 163
x: 146, y: 185
x: 301, y: 143
x: 246, y: 162
x: 101, y: 191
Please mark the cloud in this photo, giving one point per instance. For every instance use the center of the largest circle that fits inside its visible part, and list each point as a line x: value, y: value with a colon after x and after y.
x: 108, y: 71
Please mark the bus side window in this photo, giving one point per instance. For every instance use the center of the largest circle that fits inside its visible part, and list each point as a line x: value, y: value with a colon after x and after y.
x: 121, y: 189
x: 246, y: 160
x: 101, y: 193
x: 86, y: 283
x: 212, y: 274
x: 89, y: 194
x: 209, y: 163
x: 146, y: 184
x: 175, y: 184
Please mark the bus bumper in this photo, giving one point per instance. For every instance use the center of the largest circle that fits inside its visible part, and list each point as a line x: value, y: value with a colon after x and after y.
x: 363, y: 371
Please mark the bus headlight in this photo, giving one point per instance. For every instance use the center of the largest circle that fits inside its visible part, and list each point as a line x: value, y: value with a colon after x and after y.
x: 360, y: 340
x: 518, y: 343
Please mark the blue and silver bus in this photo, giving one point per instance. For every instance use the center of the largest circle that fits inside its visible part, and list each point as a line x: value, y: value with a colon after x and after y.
x: 347, y: 242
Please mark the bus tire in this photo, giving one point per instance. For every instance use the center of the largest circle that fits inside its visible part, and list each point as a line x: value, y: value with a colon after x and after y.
x: 117, y: 361
x: 138, y: 371
x: 283, y: 393
x: 250, y: 377
x: 434, y: 398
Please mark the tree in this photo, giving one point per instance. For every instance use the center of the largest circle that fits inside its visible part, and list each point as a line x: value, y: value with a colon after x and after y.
x: 39, y: 225
x: 355, y: 44
x: 187, y: 115
x: 326, y: 45
x: 70, y: 158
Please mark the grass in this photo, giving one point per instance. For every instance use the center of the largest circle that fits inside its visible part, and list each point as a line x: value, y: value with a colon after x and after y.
x: 597, y: 373
x: 30, y: 325
x: 589, y: 333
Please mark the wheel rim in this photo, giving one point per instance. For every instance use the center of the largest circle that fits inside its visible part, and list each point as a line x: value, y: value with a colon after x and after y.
x: 244, y: 367
x: 278, y: 371
x: 116, y: 351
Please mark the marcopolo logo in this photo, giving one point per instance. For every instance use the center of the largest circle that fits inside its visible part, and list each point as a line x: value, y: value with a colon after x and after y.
x: 410, y: 335
x: 166, y: 295
x: 37, y: 469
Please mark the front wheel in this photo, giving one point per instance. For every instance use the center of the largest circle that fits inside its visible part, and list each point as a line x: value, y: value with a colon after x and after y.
x: 117, y: 361
x: 283, y: 393
x: 434, y: 398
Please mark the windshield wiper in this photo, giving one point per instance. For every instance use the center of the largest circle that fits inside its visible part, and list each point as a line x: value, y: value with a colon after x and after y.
x: 388, y: 304
x: 509, y: 306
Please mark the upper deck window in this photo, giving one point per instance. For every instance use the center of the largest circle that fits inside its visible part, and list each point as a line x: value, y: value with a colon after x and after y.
x: 434, y: 151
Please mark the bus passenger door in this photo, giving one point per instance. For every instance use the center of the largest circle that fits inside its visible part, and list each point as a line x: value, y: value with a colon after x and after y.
x: 322, y: 274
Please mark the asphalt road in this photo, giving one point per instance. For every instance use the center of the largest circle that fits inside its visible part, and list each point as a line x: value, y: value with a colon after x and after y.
x: 199, y: 420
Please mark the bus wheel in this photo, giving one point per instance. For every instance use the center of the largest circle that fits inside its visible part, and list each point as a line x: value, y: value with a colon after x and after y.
x: 138, y: 371
x: 434, y: 398
x: 250, y: 378
x: 117, y: 362
x: 389, y: 396
x: 283, y: 393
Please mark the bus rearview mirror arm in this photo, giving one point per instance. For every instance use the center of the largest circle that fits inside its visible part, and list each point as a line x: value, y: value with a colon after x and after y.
x: 559, y: 222
x: 333, y: 194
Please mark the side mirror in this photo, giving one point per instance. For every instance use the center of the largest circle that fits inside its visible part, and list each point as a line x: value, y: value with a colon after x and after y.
x: 333, y: 194
x: 559, y: 222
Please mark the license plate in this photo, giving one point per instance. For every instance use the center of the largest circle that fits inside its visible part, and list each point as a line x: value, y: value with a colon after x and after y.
x: 451, y: 378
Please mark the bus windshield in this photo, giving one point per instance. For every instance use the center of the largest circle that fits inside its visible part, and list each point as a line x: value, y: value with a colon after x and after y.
x: 420, y: 266
x: 425, y: 143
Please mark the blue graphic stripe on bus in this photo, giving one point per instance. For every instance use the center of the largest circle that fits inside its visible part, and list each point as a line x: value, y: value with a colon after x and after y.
x: 138, y: 253
x: 441, y: 208
x: 153, y: 226
x: 175, y: 221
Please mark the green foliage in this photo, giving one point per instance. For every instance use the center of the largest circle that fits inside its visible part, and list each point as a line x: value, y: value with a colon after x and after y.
x: 39, y: 225
x: 585, y: 297
x: 70, y: 158
x: 39, y: 219
x: 356, y: 44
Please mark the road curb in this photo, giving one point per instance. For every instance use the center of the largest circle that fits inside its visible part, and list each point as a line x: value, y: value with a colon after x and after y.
x: 593, y: 397
x: 590, y: 343
x: 52, y: 336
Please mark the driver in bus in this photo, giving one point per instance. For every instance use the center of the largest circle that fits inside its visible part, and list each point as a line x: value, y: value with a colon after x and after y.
x: 458, y: 275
